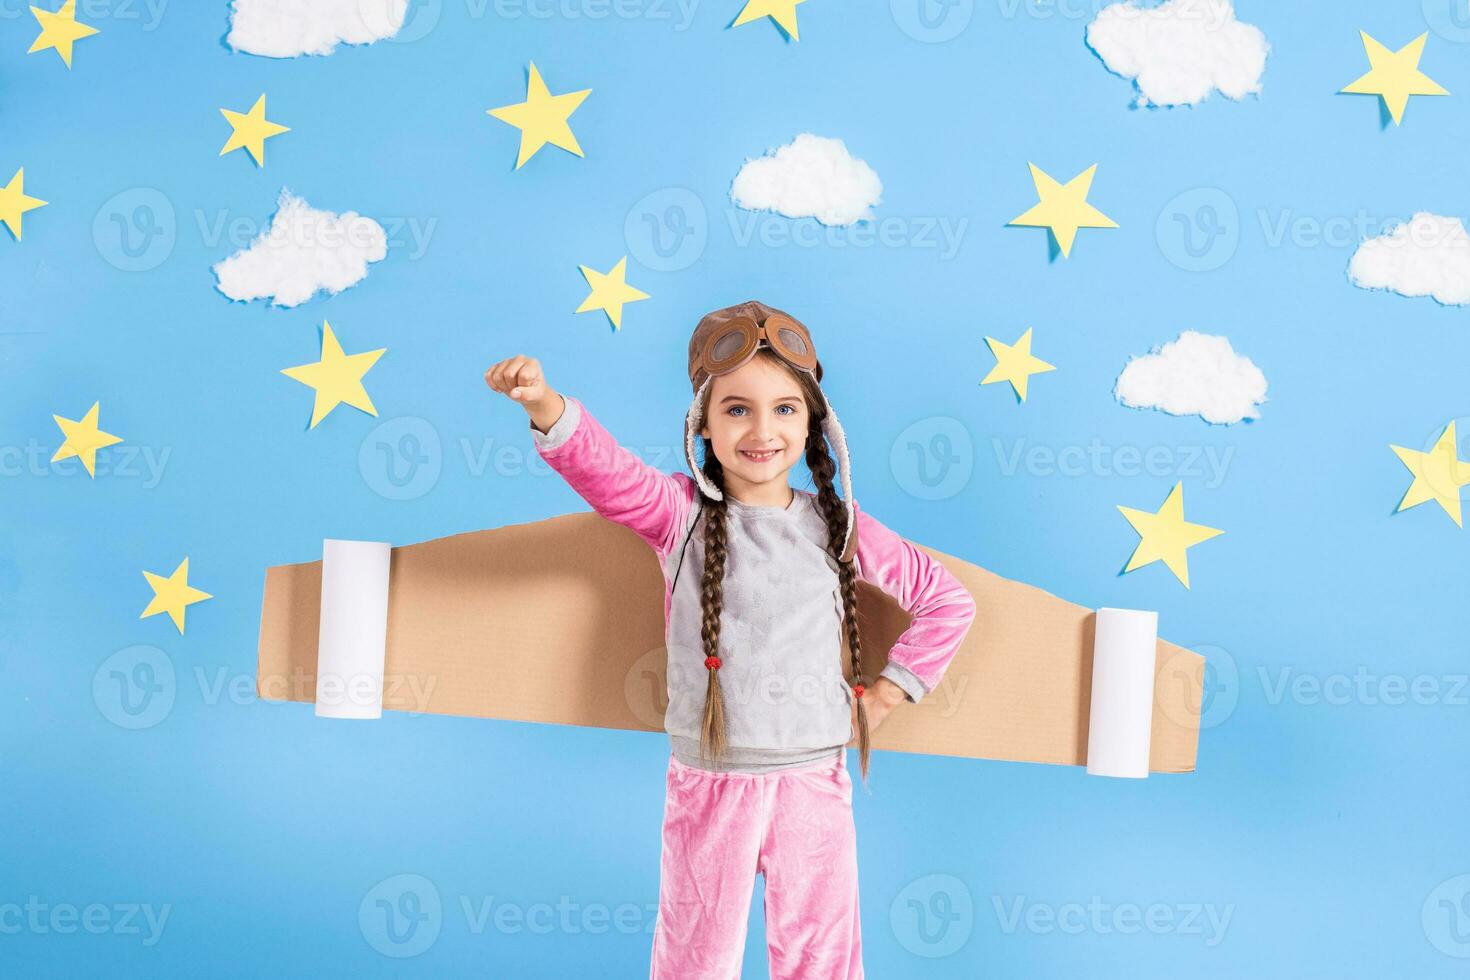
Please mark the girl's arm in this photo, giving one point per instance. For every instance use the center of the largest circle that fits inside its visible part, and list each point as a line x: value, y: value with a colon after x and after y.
x: 942, y: 608
x: 618, y: 485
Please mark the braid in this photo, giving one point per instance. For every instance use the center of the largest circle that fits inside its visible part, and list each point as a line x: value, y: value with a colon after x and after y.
x: 713, y: 733
x: 819, y: 462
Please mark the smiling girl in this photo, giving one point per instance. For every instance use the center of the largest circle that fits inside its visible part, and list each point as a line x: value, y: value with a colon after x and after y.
x: 760, y: 602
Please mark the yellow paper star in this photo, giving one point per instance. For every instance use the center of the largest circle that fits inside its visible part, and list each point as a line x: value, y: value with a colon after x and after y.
x: 83, y: 439
x: 14, y: 202
x: 610, y: 291
x: 337, y: 377
x: 173, y: 594
x: 1438, y: 475
x: 252, y: 129
x: 1063, y: 207
x: 783, y: 12
x: 542, y: 118
x: 1166, y: 536
x: 1014, y: 363
x: 1395, y: 75
x: 60, y: 30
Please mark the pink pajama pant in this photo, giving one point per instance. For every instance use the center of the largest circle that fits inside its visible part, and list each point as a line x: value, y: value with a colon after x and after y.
x: 720, y: 830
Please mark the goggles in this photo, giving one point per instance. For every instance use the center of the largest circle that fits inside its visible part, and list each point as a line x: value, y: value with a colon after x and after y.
x: 735, y: 342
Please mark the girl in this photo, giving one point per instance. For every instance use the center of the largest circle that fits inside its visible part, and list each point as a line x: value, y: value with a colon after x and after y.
x: 760, y: 594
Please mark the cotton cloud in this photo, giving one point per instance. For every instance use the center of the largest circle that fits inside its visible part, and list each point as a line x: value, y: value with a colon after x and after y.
x: 1428, y: 256
x: 287, y: 28
x: 1180, y: 51
x: 811, y: 177
x: 1196, y: 374
x: 304, y: 250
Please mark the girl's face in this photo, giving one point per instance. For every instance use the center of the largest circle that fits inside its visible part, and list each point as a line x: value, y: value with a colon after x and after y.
x: 757, y: 420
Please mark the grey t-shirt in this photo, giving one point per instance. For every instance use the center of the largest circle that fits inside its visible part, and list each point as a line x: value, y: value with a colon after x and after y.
x: 787, y: 702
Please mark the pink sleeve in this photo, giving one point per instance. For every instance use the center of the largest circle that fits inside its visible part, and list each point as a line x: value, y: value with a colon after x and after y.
x: 941, y: 607
x: 618, y: 485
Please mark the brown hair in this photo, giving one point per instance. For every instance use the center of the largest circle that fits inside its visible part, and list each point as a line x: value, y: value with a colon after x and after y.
x: 712, y: 734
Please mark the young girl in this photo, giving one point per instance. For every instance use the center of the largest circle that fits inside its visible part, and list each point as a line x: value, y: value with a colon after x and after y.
x: 760, y: 593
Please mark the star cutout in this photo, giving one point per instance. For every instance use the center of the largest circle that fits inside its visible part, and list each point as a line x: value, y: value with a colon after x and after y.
x: 783, y: 12
x: 1395, y: 75
x: 1014, y: 363
x: 252, y: 129
x: 610, y: 291
x: 1438, y: 475
x: 337, y: 377
x: 1063, y: 207
x: 542, y: 118
x: 14, y: 202
x: 1166, y: 536
x: 60, y: 30
x: 83, y: 439
x: 173, y: 595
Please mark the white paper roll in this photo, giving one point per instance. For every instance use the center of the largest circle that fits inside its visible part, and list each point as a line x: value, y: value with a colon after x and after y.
x: 1118, y: 731
x: 354, y: 630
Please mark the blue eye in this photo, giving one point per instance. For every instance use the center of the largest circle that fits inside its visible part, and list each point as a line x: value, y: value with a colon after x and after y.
x: 791, y: 409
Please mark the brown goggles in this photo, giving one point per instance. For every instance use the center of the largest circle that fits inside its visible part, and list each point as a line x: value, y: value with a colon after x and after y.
x: 735, y: 342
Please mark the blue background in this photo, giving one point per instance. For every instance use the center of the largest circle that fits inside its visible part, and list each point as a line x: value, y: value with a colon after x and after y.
x: 1323, y: 830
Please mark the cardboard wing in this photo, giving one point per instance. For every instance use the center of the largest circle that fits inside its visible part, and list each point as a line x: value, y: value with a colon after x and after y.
x: 561, y: 621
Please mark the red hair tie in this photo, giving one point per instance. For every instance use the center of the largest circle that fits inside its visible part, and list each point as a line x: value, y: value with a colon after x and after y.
x: 713, y: 663
x: 858, y: 689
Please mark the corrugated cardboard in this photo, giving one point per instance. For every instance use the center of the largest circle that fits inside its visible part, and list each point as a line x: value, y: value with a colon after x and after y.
x: 561, y: 621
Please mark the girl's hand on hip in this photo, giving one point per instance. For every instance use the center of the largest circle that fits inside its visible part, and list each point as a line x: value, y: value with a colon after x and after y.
x: 878, y: 701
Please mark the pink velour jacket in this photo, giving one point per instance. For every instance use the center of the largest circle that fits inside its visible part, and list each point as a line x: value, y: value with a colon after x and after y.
x: 658, y: 507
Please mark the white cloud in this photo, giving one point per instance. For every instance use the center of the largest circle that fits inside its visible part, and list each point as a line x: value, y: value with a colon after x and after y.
x: 810, y: 177
x: 1197, y: 374
x: 304, y: 250
x: 287, y: 28
x: 1181, y: 50
x: 1428, y: 256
